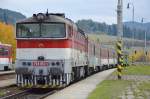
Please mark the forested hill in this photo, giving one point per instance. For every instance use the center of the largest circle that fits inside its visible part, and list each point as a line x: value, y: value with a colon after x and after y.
x: 90, y: 26
x: 10, y: 17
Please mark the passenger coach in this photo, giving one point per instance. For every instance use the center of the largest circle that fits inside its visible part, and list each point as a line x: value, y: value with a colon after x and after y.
x: 5, y: 57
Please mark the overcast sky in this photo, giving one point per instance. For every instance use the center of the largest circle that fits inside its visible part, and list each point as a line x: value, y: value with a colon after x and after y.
x: 98, y: 10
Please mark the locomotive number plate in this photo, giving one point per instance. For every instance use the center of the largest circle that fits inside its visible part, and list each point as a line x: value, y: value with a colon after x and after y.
x: 40, y: 63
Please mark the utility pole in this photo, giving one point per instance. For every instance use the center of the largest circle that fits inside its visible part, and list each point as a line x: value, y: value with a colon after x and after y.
x: 120, y: 19
x: 119, y: 37
x: 133, y: 10
x: 145, y: 42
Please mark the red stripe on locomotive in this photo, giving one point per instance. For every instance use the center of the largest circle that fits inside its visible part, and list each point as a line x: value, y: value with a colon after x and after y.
x: 43, y: 44
x: 67, y: 43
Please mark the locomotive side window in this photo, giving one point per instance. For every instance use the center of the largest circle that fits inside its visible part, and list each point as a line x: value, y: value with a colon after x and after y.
x: 70, y: 31
x: 41, y: 30
x: 94, y: 50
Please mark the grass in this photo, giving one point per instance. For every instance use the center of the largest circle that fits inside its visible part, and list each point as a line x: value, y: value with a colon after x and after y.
x: 137, y: 70
x: 1, y: 94
x: 109, y: 89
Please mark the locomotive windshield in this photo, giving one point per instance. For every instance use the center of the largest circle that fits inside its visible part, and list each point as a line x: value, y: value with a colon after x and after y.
x: 41, y: 30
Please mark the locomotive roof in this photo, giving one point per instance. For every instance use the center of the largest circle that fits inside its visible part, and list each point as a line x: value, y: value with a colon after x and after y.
x: 51, y: 17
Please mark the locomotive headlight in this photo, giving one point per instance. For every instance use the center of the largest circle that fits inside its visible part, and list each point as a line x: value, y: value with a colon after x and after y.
x: 57, y: 63
x: 24, y: 63
x: 29, y: 63
x: 53, y: 63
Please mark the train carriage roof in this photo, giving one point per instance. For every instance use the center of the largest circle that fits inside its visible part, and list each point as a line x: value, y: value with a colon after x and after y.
x: 1, y: 44
x: 6, y: 45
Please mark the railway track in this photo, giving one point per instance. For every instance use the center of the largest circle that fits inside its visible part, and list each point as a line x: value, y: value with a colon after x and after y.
x: 16, y: 95
x: 31, y: 94
x: 8, y: 90
x: 13, y: 92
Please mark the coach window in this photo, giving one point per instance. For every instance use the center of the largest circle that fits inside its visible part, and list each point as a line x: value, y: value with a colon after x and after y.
x: 4, y: 52
x: 76, y: 35
x: 70, y: 31
x: 94, y: 50
x: 1, y: 51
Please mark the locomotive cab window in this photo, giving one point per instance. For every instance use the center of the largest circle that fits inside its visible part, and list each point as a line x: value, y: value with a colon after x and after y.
x: 41, y: 30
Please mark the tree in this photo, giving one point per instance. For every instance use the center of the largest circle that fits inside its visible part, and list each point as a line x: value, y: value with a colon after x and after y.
x: 7, y: 36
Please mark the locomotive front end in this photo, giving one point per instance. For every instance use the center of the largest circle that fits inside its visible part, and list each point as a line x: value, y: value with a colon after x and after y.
x: 43, y: 52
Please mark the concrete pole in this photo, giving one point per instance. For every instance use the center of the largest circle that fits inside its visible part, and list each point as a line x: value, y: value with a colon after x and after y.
x: 120, y: 19
x: 145, y: 48
x: 119, y: 37
x: 128, y: 6
x: 145, y: 42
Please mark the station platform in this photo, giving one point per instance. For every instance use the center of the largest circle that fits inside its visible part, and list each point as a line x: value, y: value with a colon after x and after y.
x: 5, y: 83
x: 7, y: 72
x: 81, y: 89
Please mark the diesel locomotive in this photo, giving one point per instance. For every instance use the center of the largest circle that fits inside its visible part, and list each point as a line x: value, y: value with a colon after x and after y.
x: 53, y: 51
